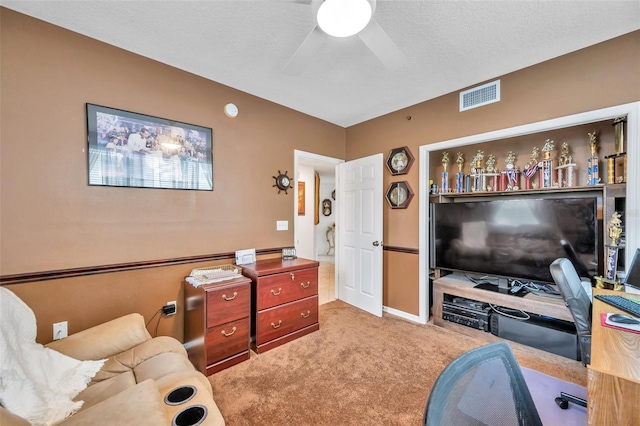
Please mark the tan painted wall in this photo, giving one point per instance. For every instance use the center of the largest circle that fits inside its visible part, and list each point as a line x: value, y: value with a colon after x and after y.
x: 600, y: 76
x: 51, y: 219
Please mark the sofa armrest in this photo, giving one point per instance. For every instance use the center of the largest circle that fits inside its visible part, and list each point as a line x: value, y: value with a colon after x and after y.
x: 104, y: 340
x: 141, y: 404
x: 7, y: 418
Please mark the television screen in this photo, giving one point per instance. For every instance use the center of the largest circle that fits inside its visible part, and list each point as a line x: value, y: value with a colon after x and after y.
x: 515, y: 238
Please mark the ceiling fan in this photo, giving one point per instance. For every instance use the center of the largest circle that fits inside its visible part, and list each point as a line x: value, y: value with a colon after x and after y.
x: 345, y: 18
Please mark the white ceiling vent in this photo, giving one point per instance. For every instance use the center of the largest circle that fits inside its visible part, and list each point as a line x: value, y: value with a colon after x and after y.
x: 481, y: 95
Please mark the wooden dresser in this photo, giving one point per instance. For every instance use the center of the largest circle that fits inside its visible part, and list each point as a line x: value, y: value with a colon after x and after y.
x: 284, y: 300
x: 216, y: 324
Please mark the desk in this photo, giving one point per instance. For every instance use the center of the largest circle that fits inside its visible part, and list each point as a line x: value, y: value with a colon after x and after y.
x: 613, y: 387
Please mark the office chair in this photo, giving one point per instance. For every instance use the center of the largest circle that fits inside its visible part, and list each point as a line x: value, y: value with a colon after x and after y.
x: 482, y: 386
x: 579, y: 304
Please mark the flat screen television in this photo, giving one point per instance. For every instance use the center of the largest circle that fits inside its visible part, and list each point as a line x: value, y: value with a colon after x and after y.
x: 515, y: 238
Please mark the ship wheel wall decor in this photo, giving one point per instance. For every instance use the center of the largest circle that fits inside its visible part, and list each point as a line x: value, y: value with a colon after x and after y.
x: 283, y: 182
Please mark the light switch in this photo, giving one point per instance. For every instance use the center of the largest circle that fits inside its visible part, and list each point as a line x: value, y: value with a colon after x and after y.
x: 282, y: 225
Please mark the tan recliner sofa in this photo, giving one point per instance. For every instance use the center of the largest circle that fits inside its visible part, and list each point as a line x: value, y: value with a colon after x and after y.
x: 135, y: 382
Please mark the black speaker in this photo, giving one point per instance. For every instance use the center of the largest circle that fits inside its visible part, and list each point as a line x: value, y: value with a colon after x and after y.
x: 555, y: 336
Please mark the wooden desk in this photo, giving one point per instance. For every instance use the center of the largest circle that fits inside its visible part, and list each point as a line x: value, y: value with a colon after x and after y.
x: 613, y: 388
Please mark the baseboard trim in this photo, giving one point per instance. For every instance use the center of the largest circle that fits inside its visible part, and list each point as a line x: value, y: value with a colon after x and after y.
x: 402, y: 314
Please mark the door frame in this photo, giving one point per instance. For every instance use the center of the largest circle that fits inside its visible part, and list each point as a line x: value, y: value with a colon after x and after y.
x: 304, y: 157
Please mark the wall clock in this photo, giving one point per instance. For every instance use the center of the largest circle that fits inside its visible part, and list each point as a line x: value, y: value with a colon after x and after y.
x: 399, y: 195
x: 283, y: 182
x: 399, y: 161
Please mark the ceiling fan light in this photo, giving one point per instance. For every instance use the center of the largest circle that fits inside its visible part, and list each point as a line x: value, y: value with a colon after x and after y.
x: 344, y: 18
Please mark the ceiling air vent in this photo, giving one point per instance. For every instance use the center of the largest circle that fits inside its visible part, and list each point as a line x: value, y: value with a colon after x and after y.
x: 481, y: 95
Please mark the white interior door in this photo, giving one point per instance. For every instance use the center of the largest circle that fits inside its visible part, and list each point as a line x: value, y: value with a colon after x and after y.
x: 359, y: 233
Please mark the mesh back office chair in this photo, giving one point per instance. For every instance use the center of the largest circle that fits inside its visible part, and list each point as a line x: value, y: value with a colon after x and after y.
x: 579, y: 304
x: 484, y: 386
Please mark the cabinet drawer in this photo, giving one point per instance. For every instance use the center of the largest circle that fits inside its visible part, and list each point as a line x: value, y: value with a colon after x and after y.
x: 227, y: 339
x: 281, y: 320
x: 228, y: 304
x: 286, y: 287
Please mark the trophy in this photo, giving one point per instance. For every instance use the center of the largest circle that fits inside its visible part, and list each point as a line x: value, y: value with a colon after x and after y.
x: 444, y: 181
x: 477, y: 171
x: 615, y: 231
x: 490, y: 172
x: 592, y: 162
x: 617, y: 163
x: 459, y: 175
x: 566, y: 168
x: 547, y: 165
x: 509, y: 177
x: 531, y: 168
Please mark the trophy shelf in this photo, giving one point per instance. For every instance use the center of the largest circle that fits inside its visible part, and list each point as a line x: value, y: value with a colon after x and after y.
x: 451, y: 196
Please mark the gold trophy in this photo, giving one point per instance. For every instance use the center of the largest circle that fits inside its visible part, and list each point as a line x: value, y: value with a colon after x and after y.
x: 593, y: 177
x: 615, y: 232
x: 547, y: 165
x: 444, y: 184
x: 490, y: 172
x: 566, y: 168
x: 459, y: 175
x: 477, y: 171
x: 509, y: 177
x: 531, y: 168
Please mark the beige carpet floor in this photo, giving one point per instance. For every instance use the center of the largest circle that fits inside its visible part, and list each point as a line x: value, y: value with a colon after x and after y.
x: 357, y: 369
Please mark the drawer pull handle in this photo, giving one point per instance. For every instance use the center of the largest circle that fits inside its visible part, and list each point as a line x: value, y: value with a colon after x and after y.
x: 276, y: 326
x: 229, y: 334
x: 305, y: 286
x: 274, y: 292
x: 305, y: 316
x: 235, y: 294
x: 293, y: 277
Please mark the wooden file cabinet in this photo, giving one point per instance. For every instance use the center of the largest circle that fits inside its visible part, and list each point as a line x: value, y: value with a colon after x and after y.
x: 284, y: 300
x: 217, y: 324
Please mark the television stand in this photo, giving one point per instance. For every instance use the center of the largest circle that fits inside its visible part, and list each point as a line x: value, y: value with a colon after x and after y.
x: 458, y: 285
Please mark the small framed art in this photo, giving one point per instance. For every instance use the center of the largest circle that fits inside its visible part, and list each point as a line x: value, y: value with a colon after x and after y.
x: 399, y: 161
x: 399, y: 195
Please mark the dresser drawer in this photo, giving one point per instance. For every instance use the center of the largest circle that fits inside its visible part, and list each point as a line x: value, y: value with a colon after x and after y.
x: 286, y: 287
x: 227, y: 339
x: 228, y: 304
x: 281, y: 320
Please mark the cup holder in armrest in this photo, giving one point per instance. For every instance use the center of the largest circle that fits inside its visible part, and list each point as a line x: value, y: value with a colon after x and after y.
x: 190, y: 416
x: 180, y: 395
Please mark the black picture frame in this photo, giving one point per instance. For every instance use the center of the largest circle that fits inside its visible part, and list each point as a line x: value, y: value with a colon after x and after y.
x: 399, y: 161
x: 399, y: 195
x: 129, y: 149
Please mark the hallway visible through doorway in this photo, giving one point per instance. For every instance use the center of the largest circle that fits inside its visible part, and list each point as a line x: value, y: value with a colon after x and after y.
x: 326, y: 279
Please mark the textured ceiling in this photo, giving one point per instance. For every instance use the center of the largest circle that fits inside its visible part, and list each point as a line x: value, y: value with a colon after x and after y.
x: 245, y: 44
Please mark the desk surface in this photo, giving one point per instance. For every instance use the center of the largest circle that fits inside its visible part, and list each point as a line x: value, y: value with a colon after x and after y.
x: 614, y: 373
x: 614, y: 352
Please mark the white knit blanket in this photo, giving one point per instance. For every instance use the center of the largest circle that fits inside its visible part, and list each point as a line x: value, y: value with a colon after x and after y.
x: 36, y: 383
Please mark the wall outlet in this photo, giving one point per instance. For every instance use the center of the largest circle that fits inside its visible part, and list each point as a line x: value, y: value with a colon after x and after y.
x: 282, y: 225
x: 170, y: 308
x: 60, y: 330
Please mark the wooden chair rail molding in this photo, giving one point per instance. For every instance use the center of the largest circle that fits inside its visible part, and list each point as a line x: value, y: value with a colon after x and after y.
x: 401, y: 249
x: 120, y: 267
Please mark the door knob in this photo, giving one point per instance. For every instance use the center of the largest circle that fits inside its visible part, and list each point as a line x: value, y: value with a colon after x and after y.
x: 376, y: 243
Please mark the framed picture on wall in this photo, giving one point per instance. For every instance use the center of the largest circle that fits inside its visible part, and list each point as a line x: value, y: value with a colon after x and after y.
x: 301, y: 199
x: 136, y: 150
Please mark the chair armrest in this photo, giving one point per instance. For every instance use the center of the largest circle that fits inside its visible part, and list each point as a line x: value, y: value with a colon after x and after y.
x: 104, y: 340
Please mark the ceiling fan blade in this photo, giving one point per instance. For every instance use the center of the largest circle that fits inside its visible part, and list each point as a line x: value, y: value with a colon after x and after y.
x: 307, y: 49
x: 382, y: 46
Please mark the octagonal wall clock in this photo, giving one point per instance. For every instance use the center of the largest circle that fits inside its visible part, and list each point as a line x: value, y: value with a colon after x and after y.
x: 399, y: 195
x: 399, y: 161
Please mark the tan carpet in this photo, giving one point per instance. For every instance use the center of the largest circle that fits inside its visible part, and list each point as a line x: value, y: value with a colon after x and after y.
x: 357, y: 369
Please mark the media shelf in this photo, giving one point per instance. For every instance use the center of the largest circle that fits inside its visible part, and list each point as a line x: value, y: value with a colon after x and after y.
x: 458, y: 285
